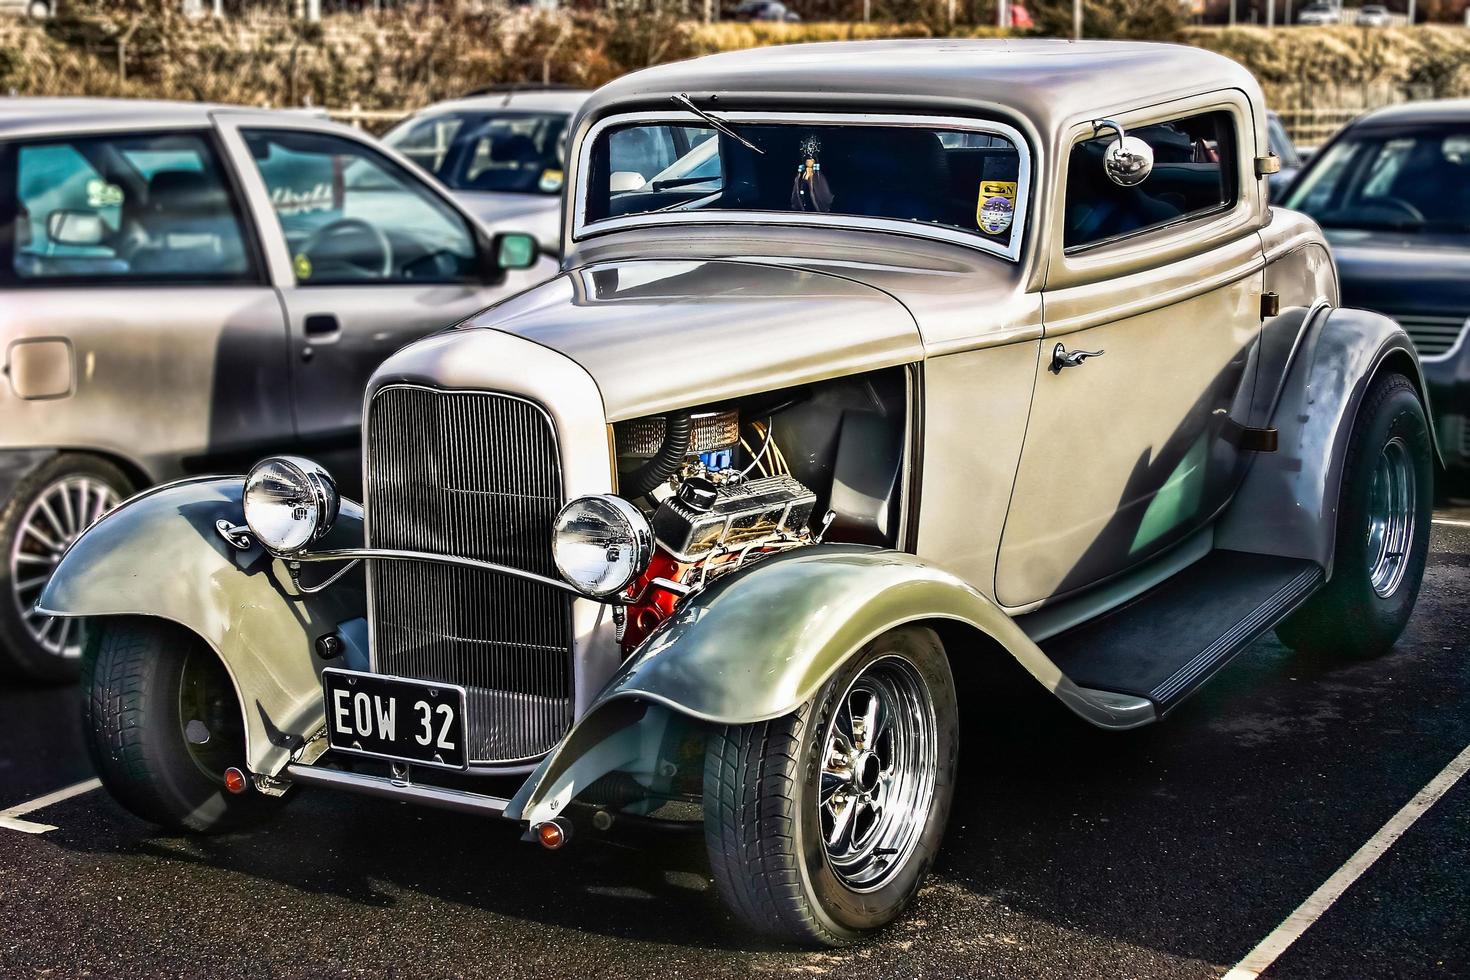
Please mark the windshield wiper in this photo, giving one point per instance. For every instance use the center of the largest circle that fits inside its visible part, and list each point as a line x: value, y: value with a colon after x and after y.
x: 718, y: 124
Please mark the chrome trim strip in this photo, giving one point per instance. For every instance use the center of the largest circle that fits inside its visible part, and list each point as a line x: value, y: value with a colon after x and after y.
x: 389, y: 789
x: 389, y: 554
x: 581, y: 228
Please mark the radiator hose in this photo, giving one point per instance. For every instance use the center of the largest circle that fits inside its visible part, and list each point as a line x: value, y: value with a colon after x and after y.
x: 678, y: 431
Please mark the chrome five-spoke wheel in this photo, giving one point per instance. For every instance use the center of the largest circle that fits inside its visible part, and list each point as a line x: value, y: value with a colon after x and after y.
x: 54, y: 518
x: 1391, y: 504
x: 878, y: 773
x: 822, y: 824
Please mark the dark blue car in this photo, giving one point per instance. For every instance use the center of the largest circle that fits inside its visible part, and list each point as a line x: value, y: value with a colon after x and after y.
x: 1392, y: 192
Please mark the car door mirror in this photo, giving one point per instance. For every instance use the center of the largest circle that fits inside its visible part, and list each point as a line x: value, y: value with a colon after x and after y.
x: 1127, y: 160
x: 75, y: 227
x: 515, y: 250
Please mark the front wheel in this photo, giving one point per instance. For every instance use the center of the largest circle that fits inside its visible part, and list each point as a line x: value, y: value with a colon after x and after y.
x: 1384, y: 512
x: 162, y: 725
x: 821, y: 825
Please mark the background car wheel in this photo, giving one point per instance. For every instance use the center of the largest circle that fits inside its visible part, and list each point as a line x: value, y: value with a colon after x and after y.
x: 821, y: 825
x: 49, y: 509
x: 163, y: 724
x: 1384, y: 512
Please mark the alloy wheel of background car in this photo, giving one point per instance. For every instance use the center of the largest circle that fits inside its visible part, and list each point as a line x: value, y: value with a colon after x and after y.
x: 877, y: 773
x: 49, y: 509
x: 1383, y: 523
x: 56, y: 518
x: 797, y: 851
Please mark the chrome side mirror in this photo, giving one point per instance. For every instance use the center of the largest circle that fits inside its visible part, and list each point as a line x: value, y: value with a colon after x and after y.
x: 1128, y: 160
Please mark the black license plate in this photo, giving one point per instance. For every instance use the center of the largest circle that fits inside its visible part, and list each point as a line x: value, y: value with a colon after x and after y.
x: 395, y: 718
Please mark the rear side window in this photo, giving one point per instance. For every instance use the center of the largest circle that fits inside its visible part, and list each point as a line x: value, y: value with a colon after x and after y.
x: 1194, y: 174
x: 141, y: 207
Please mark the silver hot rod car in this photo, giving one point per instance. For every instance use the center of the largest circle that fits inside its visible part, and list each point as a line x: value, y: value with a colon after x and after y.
x: 868, y: 363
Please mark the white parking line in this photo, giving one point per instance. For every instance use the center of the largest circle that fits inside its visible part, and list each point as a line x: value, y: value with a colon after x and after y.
x: 1451, y: 523
x: 1331, y: 890
x: 10, y: 819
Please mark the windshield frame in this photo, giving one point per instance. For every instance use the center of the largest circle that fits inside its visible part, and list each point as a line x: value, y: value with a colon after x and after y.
x: 583, y: 229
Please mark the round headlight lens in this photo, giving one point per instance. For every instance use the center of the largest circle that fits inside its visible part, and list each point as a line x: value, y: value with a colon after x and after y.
x: 289, y: 502
x: 601, y: 544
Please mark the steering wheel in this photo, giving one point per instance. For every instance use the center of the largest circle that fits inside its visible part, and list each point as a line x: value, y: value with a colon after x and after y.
x: 339, y: 242
x: 1396, y: 204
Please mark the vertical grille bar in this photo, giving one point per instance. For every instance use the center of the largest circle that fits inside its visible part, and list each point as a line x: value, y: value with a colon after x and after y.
x: 474, y: 474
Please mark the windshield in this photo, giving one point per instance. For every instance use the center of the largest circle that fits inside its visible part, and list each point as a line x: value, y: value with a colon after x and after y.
x: 1401, y: 179
x: 512, y: 152
x: 947, y: 180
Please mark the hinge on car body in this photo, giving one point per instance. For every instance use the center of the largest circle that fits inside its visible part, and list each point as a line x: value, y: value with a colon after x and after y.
x: 1250, y: 440
x: 1270, y: 304
x: 1268, y: 164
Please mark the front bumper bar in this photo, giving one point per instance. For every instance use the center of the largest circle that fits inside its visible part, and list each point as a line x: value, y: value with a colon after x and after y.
x: 395, y: 789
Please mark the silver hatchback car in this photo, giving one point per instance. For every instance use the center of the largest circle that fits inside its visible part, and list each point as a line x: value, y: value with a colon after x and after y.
x: 186, y: 287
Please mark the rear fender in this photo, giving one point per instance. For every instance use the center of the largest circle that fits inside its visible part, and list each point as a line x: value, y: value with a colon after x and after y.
x: 760, y: 642
x: 161, y: 555
x: 1287, y: 504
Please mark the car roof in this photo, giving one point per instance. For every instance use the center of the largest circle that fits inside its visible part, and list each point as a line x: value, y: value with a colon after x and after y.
x: 1049, y: 81
x: 1412, y: 113
x: 543, y: 100
x: 32, y: 114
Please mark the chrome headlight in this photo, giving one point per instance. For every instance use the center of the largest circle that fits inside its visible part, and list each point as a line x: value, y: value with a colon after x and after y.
x: 601, y: 544
x: 289, y: 502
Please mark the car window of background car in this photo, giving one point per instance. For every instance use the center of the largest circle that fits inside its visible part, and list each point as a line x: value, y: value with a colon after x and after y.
x: 1193, y: 175
x: 1406, y: 181
x: 505, y: 152
x: 946, y: 178
x: 350, y: 214
x: 138, y: 207
x: 426, y: 141
x: 1281, y: 144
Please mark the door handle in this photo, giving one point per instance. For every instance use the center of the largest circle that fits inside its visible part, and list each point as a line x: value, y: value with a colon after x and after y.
x: 321, y: 326
x: 1063, y: 358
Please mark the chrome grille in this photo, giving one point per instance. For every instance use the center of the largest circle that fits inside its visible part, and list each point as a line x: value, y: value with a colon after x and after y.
x: 1432, y: 335
x: 473, y: 474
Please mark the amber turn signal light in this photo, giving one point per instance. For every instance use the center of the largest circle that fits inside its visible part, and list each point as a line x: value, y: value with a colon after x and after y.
x: 235, y: 781
x: 553, y: 834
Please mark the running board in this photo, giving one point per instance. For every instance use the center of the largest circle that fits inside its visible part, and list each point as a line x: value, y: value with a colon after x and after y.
x: 1166, y: 643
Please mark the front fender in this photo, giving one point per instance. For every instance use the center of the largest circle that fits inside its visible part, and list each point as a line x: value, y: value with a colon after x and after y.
x: 1287, y: 504
x: 759, y: 643
x: 160, y: 555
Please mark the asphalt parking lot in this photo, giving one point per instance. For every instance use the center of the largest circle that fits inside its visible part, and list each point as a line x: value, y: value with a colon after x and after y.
x: 1169, y: 852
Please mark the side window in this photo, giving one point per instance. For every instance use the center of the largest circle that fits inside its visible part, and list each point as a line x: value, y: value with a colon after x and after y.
x: 148, y: 207
x: 1194, y: 173
x: 351, y: 215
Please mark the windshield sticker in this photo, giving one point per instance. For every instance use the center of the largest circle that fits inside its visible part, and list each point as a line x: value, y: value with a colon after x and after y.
x: 289, y: 203
x: 101, y: 194
x: 302, y: 265
x: 996, y: 208
x: 811, y: 191
x: 551, y: 180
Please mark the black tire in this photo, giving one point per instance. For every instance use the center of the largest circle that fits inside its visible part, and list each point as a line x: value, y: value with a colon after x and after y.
x: 23, y: 655
x: 137, y: 675
x: 1348, y: 616
x: 763, y: 818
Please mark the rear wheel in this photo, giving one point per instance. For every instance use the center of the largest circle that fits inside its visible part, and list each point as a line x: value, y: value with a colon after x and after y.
x: 48, y: 510
x: 1383, y: 522
x: 163, y: 724
x: 821, y: 825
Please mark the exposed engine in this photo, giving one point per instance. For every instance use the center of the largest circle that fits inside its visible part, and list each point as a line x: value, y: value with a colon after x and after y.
x: 715, y: 502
